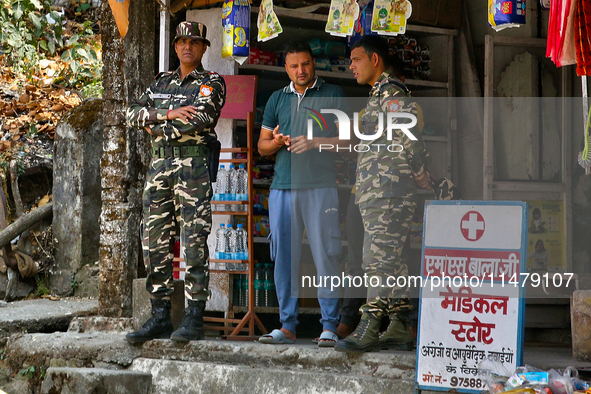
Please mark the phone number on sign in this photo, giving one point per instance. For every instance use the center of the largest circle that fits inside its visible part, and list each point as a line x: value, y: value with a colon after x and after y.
x: 472, y: 383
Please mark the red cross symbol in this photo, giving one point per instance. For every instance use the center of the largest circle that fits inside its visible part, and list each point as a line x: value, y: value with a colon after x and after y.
x: 472, y: 226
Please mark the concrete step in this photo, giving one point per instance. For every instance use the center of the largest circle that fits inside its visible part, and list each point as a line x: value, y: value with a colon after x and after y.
x: 95, y: 380
x: 217, y: 366
x: 43, y: 315
x: 173, y: 377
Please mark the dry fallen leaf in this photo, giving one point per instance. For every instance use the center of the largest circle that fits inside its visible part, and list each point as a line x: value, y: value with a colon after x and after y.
x: 24, y: 98
x: 43, y: 201
x: 42, y: 116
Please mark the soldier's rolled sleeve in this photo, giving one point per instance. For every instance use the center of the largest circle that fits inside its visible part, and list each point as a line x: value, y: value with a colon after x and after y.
x: 209, y: 109
x: 143, y: 113
x: 416, y: 150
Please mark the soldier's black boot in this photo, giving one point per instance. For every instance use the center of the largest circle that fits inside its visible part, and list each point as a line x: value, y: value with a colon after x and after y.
x: 158, y: 326
x: 365, y: 337
x: 191, y: 328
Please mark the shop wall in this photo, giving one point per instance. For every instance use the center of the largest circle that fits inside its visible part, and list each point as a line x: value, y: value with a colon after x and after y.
x: 470, y: 140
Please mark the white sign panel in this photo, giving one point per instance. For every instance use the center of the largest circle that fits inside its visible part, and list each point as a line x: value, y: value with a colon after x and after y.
x: 472, y: 304
x: 484, y: 227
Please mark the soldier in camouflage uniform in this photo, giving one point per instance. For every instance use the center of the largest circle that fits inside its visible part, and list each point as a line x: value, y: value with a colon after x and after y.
x: 179, y: 110
x: 386, y: 187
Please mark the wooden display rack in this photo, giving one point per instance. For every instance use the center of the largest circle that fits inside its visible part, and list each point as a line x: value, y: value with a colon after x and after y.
x: 240, y: 106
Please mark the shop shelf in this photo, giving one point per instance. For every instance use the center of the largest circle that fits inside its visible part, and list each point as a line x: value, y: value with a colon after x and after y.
x: 341, y: 75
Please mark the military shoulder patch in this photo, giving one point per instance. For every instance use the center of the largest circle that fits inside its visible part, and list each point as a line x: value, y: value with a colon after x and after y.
x: 393, y: 106
x: 205, y: 90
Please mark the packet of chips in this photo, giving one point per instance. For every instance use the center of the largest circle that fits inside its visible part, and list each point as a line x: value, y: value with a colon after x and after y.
x: 389, y: 17
x: 506, y: 13
x: 267, y: 22
x: 363, y: 24
x: 342, y: 16
x: 236, y: 30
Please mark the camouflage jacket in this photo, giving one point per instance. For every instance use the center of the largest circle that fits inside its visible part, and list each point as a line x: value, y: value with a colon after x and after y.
x: 202, y: 89
x: 383, y: 172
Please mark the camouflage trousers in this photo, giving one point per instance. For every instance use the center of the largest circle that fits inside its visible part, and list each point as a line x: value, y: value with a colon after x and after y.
x: 177, y: 202
x: 387, y: 225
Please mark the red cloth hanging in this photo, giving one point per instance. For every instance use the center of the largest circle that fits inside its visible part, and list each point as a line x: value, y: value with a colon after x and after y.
x: 582, y: 38
x: 560, y: 45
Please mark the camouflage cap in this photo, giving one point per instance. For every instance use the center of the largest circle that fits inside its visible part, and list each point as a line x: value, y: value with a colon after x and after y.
x: 193, y: 30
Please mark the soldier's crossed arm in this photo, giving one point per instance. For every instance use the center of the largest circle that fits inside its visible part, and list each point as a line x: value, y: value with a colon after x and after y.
x: 208, y: 104
x: 143, y: 113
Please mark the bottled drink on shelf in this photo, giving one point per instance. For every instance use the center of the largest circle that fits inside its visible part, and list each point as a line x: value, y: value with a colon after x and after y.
x: 244, y: 290
x: 242, y: 190
x: 220, y: 242
x: 241, y: 243
x: 221, y: 189
x: 230, y: 246
x: 269, y: 294
x: 232, y: 189
x: 258, y: 285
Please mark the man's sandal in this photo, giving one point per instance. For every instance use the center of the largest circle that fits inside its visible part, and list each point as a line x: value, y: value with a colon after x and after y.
x: 327, y: 339
x: 276, y: 337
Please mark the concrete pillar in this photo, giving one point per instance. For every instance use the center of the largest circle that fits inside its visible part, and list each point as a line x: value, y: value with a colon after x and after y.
x: 580, y: 314
x: 129, y: 67
x: 76, y: 195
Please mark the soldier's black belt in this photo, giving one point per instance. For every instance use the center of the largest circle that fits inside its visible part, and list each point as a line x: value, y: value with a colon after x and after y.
x: 178, y: 151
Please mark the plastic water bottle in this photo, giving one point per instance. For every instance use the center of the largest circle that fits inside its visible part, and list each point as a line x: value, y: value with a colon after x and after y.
x: 220, y: 242
x: 232, y: 189
x: 259, y: 285
x: 241, y: 243
x: 269, y: 292
x: 231, y: 240
x: 242, y: 190
x: 244, y: 290
x: 221, y: 188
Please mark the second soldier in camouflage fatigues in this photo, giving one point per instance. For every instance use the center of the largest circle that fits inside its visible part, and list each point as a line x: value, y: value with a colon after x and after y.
x: 386, y: 195
x: 180, y: 110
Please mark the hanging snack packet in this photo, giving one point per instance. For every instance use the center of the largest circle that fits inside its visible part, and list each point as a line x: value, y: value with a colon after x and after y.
x: 236, y: 30
x: 267, y: 22
x: 342, y: 16
x: 506, y: 13
x: 389, y: 16
x: 363, y: 24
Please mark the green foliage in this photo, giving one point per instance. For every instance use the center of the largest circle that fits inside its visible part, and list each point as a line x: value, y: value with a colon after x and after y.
x: 82, y: 6
x: 74, y: 285
x: 28, y: 371
x: 85, y: 68
x: 31, y: 31
x: 42, y: 288
x: 27, y: 34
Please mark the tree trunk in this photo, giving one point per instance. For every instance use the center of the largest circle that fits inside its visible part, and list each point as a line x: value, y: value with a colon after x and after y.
x: 129, y: 66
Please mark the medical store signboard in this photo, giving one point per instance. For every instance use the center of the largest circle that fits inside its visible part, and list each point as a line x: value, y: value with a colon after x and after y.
x: 471, y: 314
